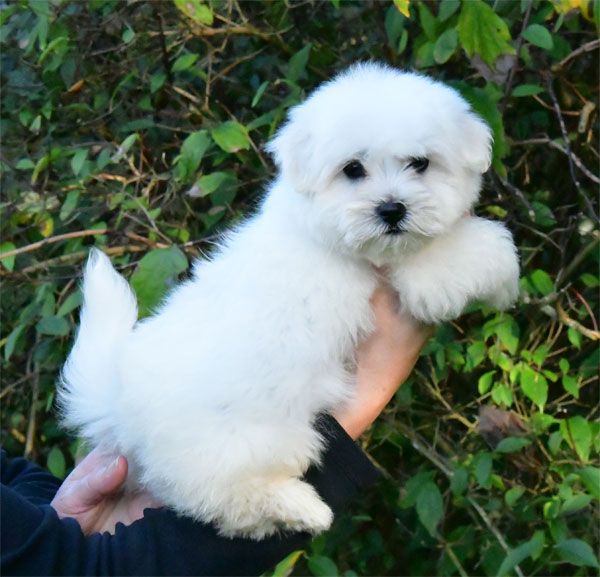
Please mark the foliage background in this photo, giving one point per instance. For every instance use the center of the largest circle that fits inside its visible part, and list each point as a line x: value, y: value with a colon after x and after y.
x: 138, y: 127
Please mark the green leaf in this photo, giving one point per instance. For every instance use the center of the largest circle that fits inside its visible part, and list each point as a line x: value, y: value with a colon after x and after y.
x: 25, y: 164
x: 40, y: 166
x: 590, y: 280
x: 502, y: 395
x: 540, y: 422
x: 447, y: 8
x: 483, y: 468
x: 413, y: 487
x: 231, y: 136
x: 285, y: 567
x: 425, y: 55
x: 56, y: 463
x: 192, y: 152
x: 78, y: 160
x: 53, y: 325
x: 428, y: 22
x: 430, y: 507
x: 157, y: 81
x: 53, y: 46
x: 459, y: 482
x: 197, y: 11
x: 512, y: 444
x: 485, y: 382
x: 128, y: 35
x: 322, y: 566
x: 508, y: 333
x: 542, y: 281
x: 445, y: 46
x: 527, y: 90
x: 153, y: 274
x: 534, y: 385
x: 590, y: 477
x: 184, y: 62
x: 575, y: 503
x: 208, y: 183
x: 531, y: 548
x: 538, y: 35
x: 577, y: 552
x: 259, y: 93
x: 513, y: 495
x: 571, y: 385
x: 483, y: 32
x: 394, y: 26
x: 70, y: 203
x: 124, y: 147
x: 577, y: 432
x: 297, y: 64
x: 70, y: 303
x: 9, y: 261
x: 574, y: 337
x: 12, y: 339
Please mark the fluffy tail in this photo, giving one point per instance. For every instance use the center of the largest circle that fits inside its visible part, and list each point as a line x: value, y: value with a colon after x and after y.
x: 89, y: 380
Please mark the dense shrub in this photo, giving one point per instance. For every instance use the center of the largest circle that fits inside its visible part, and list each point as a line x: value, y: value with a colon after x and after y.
x: 139, y: 127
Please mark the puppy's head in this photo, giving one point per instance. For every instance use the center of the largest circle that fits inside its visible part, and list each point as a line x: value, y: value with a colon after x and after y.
x: 386, y: 157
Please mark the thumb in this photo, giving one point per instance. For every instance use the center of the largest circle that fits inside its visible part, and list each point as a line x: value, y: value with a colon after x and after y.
x: 104, y: 482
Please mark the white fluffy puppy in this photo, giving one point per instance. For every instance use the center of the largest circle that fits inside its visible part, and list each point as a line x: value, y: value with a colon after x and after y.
x: 213, y: 398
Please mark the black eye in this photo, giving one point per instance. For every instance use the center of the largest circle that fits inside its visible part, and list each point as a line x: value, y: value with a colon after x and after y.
x: 355, y: 170
x: 419, y: 164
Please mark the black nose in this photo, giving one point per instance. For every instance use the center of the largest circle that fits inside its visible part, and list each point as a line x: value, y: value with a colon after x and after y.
x: 391, y: 212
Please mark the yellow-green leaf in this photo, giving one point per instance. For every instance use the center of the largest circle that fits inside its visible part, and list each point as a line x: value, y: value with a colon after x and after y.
x: 403, y: 7
x: 483, y: 32
x: 197, y: 11
x: 231, y: 136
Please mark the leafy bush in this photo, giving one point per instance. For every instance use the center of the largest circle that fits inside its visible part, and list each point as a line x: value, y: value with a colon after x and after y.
x: 138, y: 127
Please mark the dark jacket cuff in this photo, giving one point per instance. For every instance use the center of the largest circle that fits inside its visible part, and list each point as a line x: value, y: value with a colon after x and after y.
x: 345, y: 469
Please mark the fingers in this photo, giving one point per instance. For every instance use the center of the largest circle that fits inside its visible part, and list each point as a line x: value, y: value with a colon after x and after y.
x: 384, y: 360
x: 102, y: 475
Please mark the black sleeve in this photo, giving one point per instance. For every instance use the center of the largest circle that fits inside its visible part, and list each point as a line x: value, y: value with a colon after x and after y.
x: 28, y: 479
x: 36, y: 542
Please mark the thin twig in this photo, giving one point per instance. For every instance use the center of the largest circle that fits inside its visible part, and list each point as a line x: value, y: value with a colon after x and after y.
x: 52, y: 240
x: 13, y: 386
x: 588, y: 203
x: 588, y: 47
x: 163, y: 45
x: 572, y: 323
x: 32, y: 424
x: 519, y: 194
x: 557, y: 146
x: 511, y: 74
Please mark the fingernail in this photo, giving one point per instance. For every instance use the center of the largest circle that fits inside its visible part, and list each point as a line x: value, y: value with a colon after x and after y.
x: 109, y: 469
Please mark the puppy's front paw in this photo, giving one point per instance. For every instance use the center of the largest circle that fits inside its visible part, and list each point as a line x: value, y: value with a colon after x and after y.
x: 433, y: 304
x: 476, y: 261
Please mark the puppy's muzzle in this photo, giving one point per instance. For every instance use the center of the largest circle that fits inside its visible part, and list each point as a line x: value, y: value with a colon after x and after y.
x: 392, y: 213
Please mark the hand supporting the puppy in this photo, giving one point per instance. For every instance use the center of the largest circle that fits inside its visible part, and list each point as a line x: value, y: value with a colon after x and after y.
x: 385, y: 360
x: 91, y: 493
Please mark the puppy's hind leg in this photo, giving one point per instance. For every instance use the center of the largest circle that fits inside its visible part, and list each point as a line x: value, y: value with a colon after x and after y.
x: 261, y: 507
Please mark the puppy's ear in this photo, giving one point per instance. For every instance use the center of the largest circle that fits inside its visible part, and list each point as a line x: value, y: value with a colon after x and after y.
x: 293, y: 153
x: 476, y: 139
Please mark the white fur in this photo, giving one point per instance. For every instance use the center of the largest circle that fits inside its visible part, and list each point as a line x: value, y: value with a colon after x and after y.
x: 213, y: 398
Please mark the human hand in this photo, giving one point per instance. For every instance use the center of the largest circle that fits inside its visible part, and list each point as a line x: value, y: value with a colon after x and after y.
x: 384, y: 361
x: 92, y: 494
